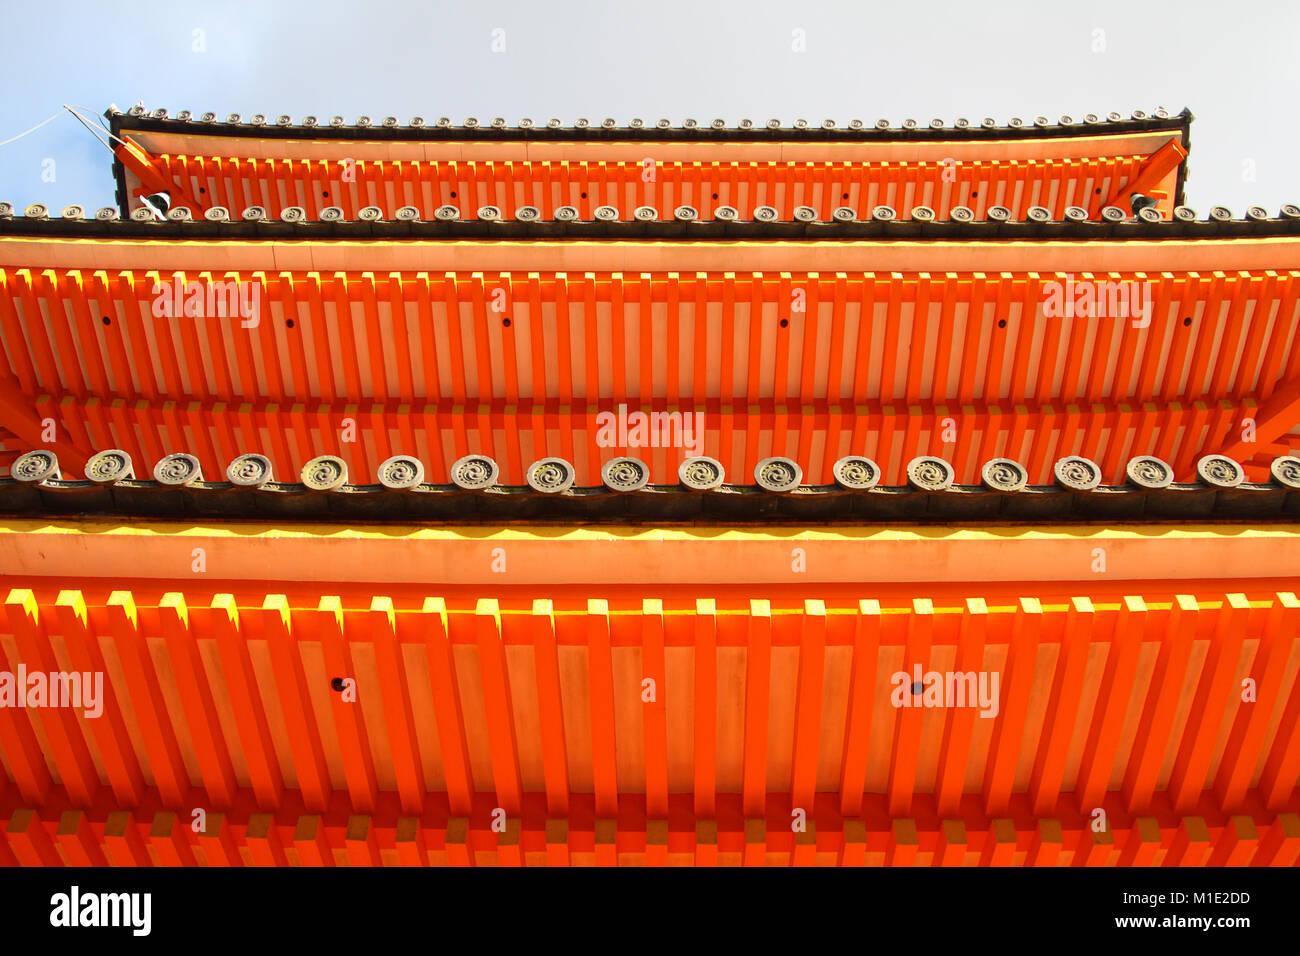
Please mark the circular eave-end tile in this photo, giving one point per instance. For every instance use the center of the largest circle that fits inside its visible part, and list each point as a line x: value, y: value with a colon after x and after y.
x: 1004, y: 474
x: 36, y: 466
x: 474, y: 472
x: 701, y: 473
x: 1220, y: 471
x: 1286, y: 471
x: 625, y: 474
x: 249, y: 470
x: 928, y: 473
x: 1077, y: 473
x: 177, y: 469
x: 550, y: 476
x: 778, y: 474
x: 324, y: 473
x: 109, y: 466
x: 1149, y: 472
x: 401, y: 472
x: 856, y: 473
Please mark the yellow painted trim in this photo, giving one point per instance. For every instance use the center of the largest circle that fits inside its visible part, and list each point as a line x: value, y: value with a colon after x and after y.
x: 569, y: 533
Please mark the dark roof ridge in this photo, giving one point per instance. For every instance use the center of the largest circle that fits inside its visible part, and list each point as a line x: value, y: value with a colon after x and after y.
x: 930, y: 496
x: 418, y: 128
x: 646, y: 223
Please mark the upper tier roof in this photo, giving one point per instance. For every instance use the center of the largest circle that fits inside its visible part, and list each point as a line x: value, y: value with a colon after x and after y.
x: 138, y: 118
x: 1088, y: 164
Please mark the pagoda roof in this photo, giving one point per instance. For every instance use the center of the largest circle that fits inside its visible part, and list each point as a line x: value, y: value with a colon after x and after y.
x: 259, y: 125
x: 706, y: 327
x: 472, y: 691
x: 1086, y: 164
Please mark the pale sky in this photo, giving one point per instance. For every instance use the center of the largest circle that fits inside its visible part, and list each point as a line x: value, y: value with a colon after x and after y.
x: 1234, y: 65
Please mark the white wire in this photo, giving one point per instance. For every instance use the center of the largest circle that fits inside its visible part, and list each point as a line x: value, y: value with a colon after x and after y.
x: 91, y: 128
x: 93, y: 132
x: 98, y: 118
x: 33, y: 129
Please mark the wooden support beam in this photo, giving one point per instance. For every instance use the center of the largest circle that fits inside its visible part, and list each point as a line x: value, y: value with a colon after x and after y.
x: 30, y: 841
x: 123, y: 844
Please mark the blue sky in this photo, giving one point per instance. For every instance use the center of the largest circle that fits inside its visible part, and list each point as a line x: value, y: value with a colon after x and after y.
x: 1233, y: 64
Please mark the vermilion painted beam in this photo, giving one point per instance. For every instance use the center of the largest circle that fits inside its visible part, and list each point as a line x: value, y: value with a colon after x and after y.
x: 295, y: 701
x: 345, y: 704
x: 853, y: 765
x: 63, y: 736
x: 498, y: 707
x: 265, y: 846
x: 550, y: 707
x: 808, y: 704
x: 123, y: 841
x: 196, y: 695
x: 76, y: 841
x: 1153, y: 169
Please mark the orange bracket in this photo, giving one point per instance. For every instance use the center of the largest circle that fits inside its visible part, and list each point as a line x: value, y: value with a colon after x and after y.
x: 135, y: 158
x: 18, y: 415
x: 1152, y: 171
x: 1273, y: 419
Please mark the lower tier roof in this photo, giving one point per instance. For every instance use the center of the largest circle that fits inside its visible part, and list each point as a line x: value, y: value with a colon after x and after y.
x: 313, y: 686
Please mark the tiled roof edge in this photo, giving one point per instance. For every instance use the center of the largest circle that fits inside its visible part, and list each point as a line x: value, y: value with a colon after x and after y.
x: 254, y: 223
x: 178, y: 490
x: 139, y: 118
